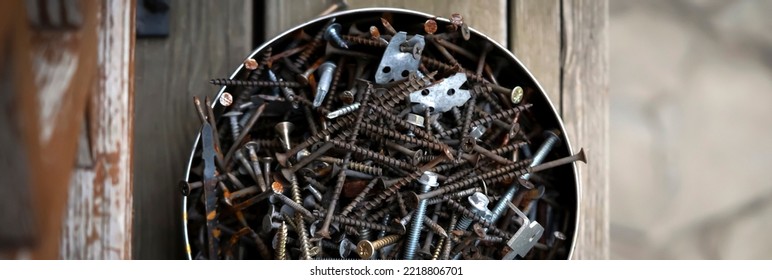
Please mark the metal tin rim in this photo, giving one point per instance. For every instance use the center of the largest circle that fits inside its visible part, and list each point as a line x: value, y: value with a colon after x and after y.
x: 410, y: 12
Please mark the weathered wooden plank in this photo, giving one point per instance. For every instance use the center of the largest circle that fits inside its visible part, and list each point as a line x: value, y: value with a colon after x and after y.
x: 97, y: 222
x: 282, y: 15
x: 535, y: 40
x: 207, y: 39
x: 586, y: 116
x: 487, y: 16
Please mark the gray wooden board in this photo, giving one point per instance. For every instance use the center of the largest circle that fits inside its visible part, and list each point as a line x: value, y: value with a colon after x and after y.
x: 564, y: 45
x: 585, y: 110
x: 535, y: 40
x: 488, y: 16
x: 207, y: 39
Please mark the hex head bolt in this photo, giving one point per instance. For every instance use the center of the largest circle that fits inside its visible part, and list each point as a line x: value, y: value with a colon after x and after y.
x: 326, y: 71
x: 478, y: 204
x: 366, y: 249
x: 332, y: 33
x: 428, y: 241
x: 538, y: 158
x: 427, y: 181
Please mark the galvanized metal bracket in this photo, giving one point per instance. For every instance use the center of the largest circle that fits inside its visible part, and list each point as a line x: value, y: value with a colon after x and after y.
x: 525, y: 238
x: 397, y: 64
x: 443, y: 96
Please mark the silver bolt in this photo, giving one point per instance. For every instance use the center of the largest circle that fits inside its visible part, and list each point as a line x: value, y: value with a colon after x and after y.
x: 478, y: 204
x: 428, y: 180
x: 333, y: 34
x: 415, y: 119
x: 326, y: 72
x: 538, y: 158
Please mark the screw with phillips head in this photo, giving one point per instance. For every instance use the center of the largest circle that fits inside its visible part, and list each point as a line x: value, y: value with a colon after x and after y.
x: 346, y: 247
x: 366, y: 249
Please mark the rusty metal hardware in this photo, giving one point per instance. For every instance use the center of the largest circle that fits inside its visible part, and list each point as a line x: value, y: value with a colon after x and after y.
x: 369, y: 137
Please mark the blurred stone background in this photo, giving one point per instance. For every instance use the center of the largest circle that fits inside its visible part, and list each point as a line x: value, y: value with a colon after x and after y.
x: 691, y: 110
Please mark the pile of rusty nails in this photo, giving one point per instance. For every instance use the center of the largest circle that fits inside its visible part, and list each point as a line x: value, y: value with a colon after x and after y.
x: 342, y: 158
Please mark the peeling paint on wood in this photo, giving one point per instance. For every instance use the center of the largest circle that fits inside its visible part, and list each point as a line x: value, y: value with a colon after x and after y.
x: 98, y: 219
x: 53, y: 72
